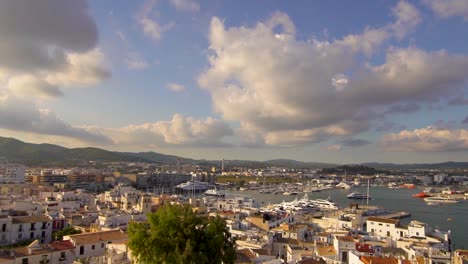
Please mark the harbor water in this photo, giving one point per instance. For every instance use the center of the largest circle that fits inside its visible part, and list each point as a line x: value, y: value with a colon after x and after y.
x: 453, y: 217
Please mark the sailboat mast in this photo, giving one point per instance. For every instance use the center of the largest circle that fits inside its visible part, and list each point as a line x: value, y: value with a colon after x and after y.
x: 368, y: 191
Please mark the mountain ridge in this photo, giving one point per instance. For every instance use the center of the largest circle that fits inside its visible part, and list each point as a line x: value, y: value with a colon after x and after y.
x: 38, y: 154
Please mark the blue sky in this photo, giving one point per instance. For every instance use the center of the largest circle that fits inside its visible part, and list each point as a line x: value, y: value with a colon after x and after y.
x: 328, y: 81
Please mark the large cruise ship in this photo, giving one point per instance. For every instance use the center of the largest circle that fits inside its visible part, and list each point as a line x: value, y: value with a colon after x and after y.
x: 194, y: 186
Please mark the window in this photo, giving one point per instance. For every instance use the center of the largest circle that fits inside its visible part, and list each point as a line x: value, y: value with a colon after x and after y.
x: 24, y: 261
x: 44, y: 225
x: 380, y: 224
x: 81, y: 250
x: 20, y: 236
x: 388, y: 233
x: 62, y: 256
x: 3, y: 227
x: 92, y: 247
x: 33, y: 226
x: 43, y: 234
x: 31, y: 236
x: 20, y: 228
x: 102, y: 245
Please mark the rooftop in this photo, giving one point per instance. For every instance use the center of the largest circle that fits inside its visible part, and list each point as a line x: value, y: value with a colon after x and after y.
x: 96, y: 237
x: 383, y: 220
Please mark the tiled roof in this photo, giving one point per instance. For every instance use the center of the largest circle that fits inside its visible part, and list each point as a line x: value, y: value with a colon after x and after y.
x: 382, y: 220
x: 30, y: 219
x: 345, y: 238
x: 382, y: 260
x: 61, y: 245
x: 96, y: 237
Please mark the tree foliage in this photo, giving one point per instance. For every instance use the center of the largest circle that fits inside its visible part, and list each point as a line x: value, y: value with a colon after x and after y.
x: 175, y: 234
x: 65, y: 232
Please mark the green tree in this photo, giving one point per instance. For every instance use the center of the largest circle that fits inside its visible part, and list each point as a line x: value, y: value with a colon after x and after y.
x: 65, y: 232
x: 175, y: 234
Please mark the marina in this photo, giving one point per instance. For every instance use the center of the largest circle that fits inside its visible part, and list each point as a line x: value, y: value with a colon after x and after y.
x: 396, y: 200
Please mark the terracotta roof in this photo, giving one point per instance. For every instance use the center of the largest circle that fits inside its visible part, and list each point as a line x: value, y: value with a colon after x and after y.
x: 326, y: 251
x: 30, y: 219
x: 62, y: 245
x: 311, y: 261
x: 345, y: 238
x: 96, y: 237
x: 382, y: 260
x: 382, y: 220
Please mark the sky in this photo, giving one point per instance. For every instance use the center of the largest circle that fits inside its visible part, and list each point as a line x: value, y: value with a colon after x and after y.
x: 326, y: 81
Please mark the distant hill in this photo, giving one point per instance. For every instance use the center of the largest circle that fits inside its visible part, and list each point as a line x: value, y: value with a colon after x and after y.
x: 47, y: 154
x: 34, y: 154
x: 441, y: 165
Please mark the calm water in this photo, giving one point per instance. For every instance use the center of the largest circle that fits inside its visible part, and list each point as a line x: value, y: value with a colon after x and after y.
x: 394, y: 200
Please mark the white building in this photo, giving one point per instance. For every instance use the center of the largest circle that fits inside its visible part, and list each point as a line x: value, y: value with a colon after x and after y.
x: 11, y: 173
x: 94, y: 244
x: 22, y: 228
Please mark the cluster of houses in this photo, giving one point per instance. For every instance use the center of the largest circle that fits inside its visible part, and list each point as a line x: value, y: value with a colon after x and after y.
x: 357, y: 234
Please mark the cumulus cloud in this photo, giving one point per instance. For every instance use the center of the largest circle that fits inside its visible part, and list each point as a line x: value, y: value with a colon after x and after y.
x: 286, y: 91
x: 426, y: 139
x: 179, y: 131
x: 448, y: 8
x: 151, y: 28
x: 48, y: 44
x: 185, y: 5
x: 20, y: 115
x: 407, y: 18
x: 176, y: 87
x: 26, y: 85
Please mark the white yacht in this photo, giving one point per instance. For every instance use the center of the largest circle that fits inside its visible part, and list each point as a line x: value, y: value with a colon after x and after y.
x: 324, y: 204
x: 214, y: 192
x: 439, y: 200
x: 195, y: 186
x: 358, y: 195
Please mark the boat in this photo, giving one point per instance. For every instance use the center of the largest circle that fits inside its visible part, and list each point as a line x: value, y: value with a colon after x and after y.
x: 358, y: 195
x: 439, y: 200
x: 343, y: 185
x: 195, y: 186
x: 214, y: 192
x: 421, y: 195
x: 323, y: 204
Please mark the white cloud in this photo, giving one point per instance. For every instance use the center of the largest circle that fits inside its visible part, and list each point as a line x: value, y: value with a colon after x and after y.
x: 407, y: 18
x: 151, y: 28
x: 448, y: 8
x: 27, y: 85
x: 180, y: 131
x: 24, y: 116
x: 186, y: 5
x: 53, y: 47
x: 426, y: 139
x: 176, y: 87
x: 83, y: 69
x: 283, y: 91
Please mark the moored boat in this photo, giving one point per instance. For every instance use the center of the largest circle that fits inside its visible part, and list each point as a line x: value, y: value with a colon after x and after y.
x: 439, y: 200
x: 358, y: 195
x: 421, y: 195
